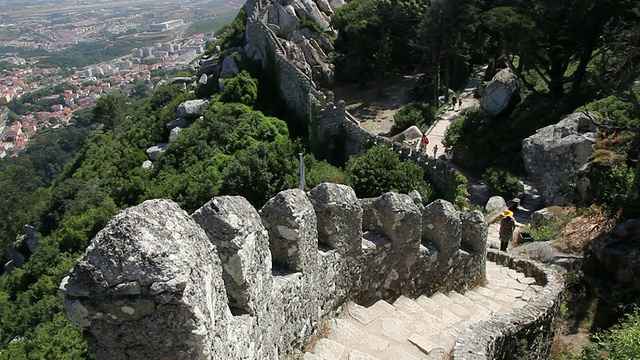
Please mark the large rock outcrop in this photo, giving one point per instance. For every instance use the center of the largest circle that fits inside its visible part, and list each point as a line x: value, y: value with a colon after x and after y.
x: 495, y: 204
x: 192, y: 109
x: 499, y: 93
x: 303, y: 47
x: 554, y: 154
x: 410, y: 134
x: 18, y: 251
x: 156, y: 150
x: 284, y: 17
x: 618, y: 252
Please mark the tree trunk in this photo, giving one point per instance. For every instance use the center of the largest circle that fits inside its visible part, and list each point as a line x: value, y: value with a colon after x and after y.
x: 436, y: 91
x: 381, y: 65
x: 447, y: 80
x: 556, y: 78
x: 581, y: 71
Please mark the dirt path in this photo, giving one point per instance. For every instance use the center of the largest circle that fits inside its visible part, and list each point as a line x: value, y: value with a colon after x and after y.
x: 375, y: 104
x: 437, y: 130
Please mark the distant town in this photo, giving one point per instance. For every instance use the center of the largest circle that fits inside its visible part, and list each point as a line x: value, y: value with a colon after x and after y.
x: 80, y: 88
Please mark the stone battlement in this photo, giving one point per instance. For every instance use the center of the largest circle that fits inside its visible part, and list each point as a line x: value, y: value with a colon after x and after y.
x: 230, y: 281
x: 324, y: 116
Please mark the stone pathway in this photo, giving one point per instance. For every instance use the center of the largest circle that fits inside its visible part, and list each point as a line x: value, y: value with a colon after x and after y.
x: 529, y: 203
x: 436, y: 131
x: 421, y: 328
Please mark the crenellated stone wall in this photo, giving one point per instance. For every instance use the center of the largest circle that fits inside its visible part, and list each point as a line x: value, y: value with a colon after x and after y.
x: 324, y: 116
x: 229, y: 281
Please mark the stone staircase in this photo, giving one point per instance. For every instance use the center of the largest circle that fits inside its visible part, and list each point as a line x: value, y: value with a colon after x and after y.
x: 424, y: 327
x: 531, y: 202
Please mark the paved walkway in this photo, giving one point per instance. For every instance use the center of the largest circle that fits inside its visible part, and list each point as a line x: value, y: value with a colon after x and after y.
x: 436, y: 131
x: 530, y: 203
x: 424, y: 327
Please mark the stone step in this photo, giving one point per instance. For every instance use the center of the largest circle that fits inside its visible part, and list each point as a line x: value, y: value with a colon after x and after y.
x: 437, y: 309
x: 419, y: 317
x: 424, y: 327
x: 329, y: 349
x: 359, y: 355
x: 367, y: 315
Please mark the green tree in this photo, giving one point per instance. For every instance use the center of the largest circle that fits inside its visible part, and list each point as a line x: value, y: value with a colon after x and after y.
x: 56, y: 339
x: 539, y: 37
x: 380, y: 170
x: 164, y: 95
x: 21, y: 199
x: 110, y: 110
x: 419, y: 114
x: 501, y: 182
x: 261, y: 171
x: 373, y: 36
x: 242, y: 88
x: 444, y: 38
x: 318, y: 172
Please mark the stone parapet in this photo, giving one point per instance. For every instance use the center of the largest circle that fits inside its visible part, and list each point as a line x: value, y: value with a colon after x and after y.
x: 526, y: 333
x: 233, y: 282
x: 325, y: 117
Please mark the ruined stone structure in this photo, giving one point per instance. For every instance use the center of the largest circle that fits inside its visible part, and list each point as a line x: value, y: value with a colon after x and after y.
x: 231, y: 282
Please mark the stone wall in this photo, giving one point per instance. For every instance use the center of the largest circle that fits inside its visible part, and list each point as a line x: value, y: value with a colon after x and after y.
x: 229, y: 281
x: 325, y: 117
x: 294, y: 86
x: 526, y: 333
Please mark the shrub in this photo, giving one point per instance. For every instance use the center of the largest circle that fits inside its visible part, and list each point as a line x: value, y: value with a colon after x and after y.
x: 321, y: 171
x: 465, y: 126
x: 614, y: 111
x: 622, y: 342
x: 420, y: 114
x: 380, y: 170
x: 615, y: 187
x: 452, y: 134
x: 550, y: 230
x: 457, y: 192
x: 240, y: 89
x: 501, y: 183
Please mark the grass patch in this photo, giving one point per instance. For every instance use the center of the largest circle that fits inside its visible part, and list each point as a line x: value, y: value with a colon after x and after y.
x: 213, y: 24
x: 552, y: 228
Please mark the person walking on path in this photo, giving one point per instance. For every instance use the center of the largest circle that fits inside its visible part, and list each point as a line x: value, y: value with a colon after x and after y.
x: 448, y: 154
x: 424, y: 142
x: 459, y: 103
x: 435, y: 150
x: 453, y: 103
x: 507, y: 226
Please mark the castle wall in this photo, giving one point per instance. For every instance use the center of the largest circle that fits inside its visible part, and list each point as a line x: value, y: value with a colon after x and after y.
x: 233, y: 282
x: 294, y: 86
